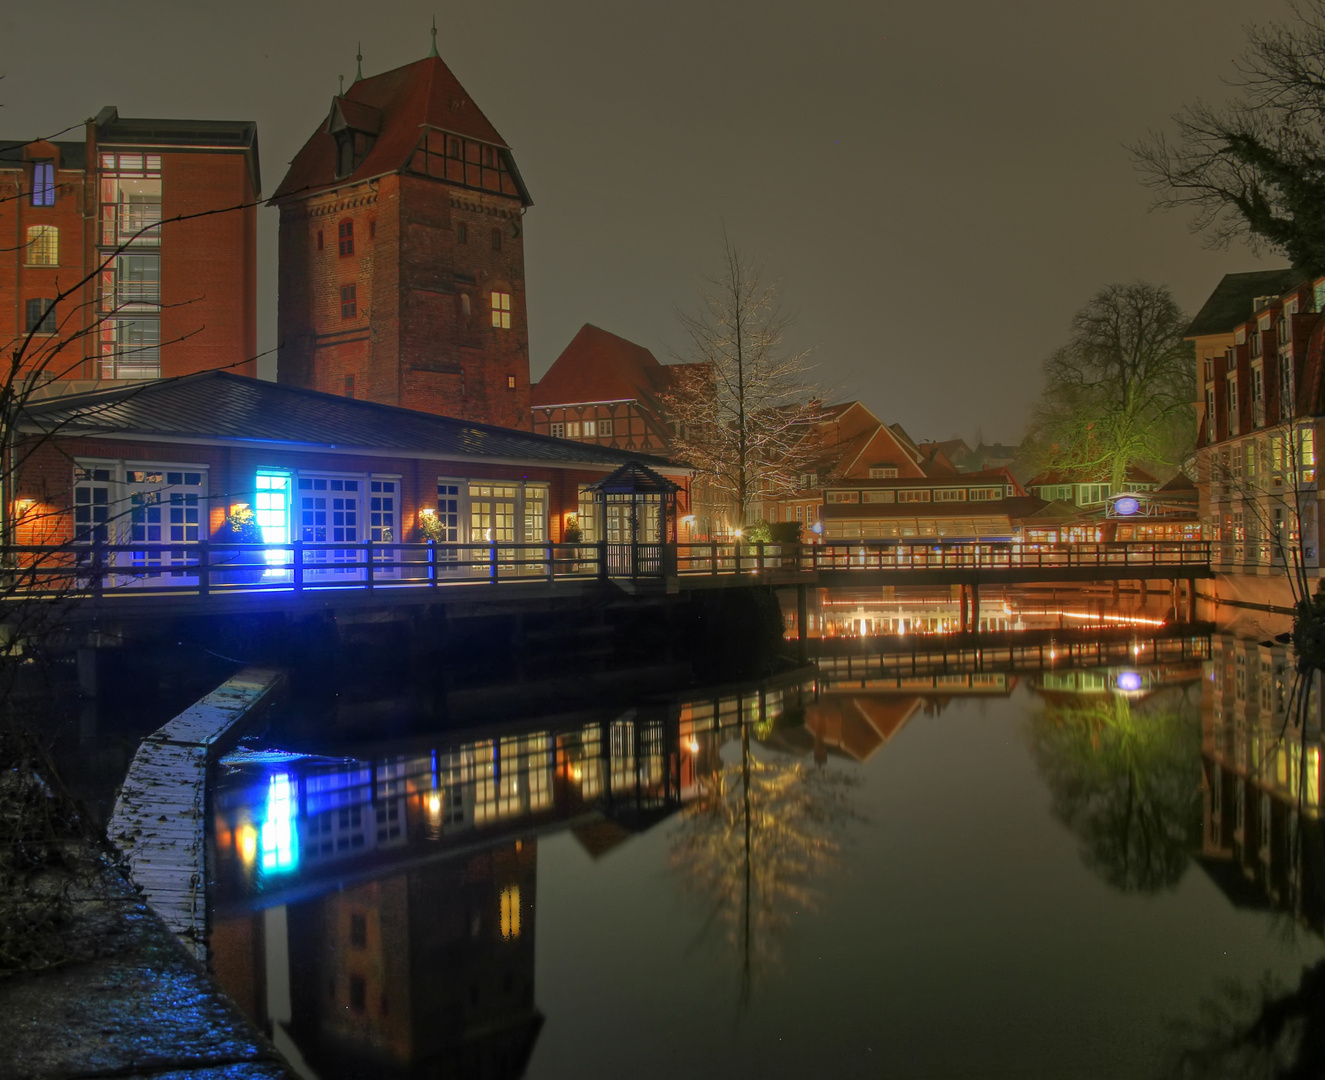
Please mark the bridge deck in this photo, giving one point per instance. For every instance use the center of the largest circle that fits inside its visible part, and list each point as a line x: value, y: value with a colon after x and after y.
x: 133, y: 579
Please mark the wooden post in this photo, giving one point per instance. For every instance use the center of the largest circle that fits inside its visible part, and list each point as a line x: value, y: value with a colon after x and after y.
x: 204, y: 570
x: 962, y: 598
x: 298, y: 567
x: 368, y: 562
x: 802, y: 631
x: 1191, y: 599
x: 975, y: 608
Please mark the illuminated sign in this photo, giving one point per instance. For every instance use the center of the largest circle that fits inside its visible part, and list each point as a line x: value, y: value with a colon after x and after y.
x: 1129, y: 681
x: 1126, y: 506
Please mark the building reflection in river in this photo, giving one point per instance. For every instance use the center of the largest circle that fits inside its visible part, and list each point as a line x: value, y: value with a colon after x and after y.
x: 1262, y: 840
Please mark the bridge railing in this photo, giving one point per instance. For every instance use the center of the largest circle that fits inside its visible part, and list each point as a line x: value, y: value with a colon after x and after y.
x: 206, y: 568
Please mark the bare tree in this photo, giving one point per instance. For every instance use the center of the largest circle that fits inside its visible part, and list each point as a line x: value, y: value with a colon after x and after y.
x: 743, y: 408
x: 1118, y: 393
x: 1255, y: 166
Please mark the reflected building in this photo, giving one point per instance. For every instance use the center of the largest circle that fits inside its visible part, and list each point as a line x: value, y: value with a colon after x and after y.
x: 1262, y: 841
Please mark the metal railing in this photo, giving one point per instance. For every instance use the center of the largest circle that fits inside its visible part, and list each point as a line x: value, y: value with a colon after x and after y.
x: 208, y: 568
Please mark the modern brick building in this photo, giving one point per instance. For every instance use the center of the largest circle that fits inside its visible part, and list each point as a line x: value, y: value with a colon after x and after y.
x: 402, y: 255
x: 113, y: 285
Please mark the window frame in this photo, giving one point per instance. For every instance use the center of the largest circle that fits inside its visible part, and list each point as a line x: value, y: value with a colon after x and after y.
x: 349, y: 301
x: 345, y: 237
x: 43, y: 240
x: 43, y: 183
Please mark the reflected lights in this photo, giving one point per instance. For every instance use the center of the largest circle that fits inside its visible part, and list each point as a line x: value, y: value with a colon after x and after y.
x: 1129, y: 681
x: 280, y: 849
x: 510, y: 912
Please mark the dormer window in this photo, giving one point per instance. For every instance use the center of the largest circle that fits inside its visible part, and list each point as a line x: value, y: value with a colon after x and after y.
x: 344, y: 153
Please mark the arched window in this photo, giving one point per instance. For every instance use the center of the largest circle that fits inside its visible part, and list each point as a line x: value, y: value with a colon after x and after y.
x: 43, y: 245
x: 464, y: 305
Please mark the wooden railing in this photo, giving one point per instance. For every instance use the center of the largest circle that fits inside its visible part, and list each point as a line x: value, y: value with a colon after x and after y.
x: 207, y: 568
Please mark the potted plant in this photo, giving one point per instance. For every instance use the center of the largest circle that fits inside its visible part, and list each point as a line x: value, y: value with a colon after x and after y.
x: 241, y: 527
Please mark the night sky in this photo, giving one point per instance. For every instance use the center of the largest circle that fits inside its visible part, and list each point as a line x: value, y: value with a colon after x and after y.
x: 938, y: 186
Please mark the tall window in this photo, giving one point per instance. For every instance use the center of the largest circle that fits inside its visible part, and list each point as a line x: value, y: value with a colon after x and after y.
x: 43, y: 245
x: 501, y: 310
x: 39, y: 316
x: 496, y: 239
x: 1257, y: 397
x: 1232, y: 393
x: 43, y: 183
x: 348, y: 304
x: 461, y: 233
x: 129, y: 334
x: 345, y: 237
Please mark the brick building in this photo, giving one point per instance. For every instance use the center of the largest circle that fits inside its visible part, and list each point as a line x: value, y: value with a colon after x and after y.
x: 402, y: 255
x: 606, y: 390
x: 1260, y: 386
x: 141, y: 295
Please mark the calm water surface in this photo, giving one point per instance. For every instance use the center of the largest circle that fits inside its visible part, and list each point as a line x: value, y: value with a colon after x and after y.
x: 1086, y: 873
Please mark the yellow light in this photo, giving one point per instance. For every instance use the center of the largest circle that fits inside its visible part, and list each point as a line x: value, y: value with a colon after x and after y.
x: 434, y: 804
x: 576, y: 773
x: 248, y: 844
x: 427, y: 512
x: 693, y: 746
x: 736, y: 533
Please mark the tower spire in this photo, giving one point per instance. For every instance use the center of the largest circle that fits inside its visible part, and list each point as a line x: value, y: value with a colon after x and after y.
x: 434, y: 38
x: 358, y: 60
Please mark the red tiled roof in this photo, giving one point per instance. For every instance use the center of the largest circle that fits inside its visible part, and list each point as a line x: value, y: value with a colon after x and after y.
x: 599, y: 366
x: 404, y: 99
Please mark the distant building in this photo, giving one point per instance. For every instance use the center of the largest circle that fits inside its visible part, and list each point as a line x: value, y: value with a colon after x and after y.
x: 174, y: 297
x: 604, y: 390
x: 969, y: 506
x: 402, y: 253
x: 1086, y: 490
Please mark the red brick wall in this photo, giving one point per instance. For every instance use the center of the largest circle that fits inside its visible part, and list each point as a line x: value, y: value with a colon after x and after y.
x: 208, y: 265
x: 411, y: 343
x: 20, y: 282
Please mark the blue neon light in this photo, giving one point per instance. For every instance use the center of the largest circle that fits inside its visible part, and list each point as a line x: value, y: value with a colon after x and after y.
x: 1127, y: 506
x: 1129, y: 681
x: 280, y: 842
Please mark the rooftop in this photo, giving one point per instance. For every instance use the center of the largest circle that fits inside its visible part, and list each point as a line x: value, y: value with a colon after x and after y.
x: 221, y: 407
x: 1230, y: 305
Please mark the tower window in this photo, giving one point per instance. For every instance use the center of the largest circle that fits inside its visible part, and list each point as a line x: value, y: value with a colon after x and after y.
x: 464, y: 304
x: 43, y: 245
x: 372, y: 229
x: 345, y: 235
x: 501, y: 310
x: 349, y: 386
x: 43, y: 183
x: 510, y: 382
x: 319, y: 239
x: 496, y: 239
x: 348, y: 305
x: 461, y: 233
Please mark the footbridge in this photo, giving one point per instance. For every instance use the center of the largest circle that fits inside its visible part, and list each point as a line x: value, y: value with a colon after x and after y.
x: 156, y: 579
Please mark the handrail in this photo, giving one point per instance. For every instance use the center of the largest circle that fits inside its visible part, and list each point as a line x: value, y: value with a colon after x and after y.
x: 210, y: 568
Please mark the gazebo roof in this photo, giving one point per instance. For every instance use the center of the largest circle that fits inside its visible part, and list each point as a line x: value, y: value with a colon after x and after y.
x: 634, y: 479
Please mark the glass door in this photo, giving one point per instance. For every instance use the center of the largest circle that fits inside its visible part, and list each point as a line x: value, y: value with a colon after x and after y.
x: 164, y: 507
x: 492, y: 520
x: 329, y: 513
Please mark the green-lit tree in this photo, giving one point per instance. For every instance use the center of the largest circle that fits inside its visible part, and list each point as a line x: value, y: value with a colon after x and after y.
x: 756, y: 846
x: 1128, y: 784
x: 1119, y: 392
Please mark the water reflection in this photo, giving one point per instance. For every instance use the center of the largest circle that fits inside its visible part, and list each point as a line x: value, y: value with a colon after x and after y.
x: 379, y: 912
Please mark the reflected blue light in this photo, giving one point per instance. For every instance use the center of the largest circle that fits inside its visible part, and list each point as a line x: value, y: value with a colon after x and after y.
x: 817, y: 527
x: 280, y: 845
x: 1127, y: 506
x: 1129, y: 681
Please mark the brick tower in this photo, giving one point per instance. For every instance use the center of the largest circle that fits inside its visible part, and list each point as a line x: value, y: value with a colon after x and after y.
x: 402, y: 254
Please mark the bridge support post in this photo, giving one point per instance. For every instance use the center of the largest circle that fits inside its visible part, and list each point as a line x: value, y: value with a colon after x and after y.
x: 1191, y: 599
x: 975, y: 608
x: 1177, y: 599
x: 802, y: 635
x: 961, y: 596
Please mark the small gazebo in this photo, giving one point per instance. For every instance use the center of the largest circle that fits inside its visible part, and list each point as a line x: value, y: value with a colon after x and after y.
x: 634, y: 505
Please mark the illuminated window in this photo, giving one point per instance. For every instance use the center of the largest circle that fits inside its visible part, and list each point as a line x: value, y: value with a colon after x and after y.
x: 501, y: 310
x: 883, y: 472
x: 510, y: 382
x: 573, y: 430
x: 950, y: 495
x: 590, y: 429
x: 985, y: 494
x: 844, y: 496
x: 43, y: 183
x: 913, y: 496
x: 557, y: 431
x: 1308, y: 457
x: 510, y: 912
x: 43, y: 245
x: 348, y: 305
x: 880, y: 496
x: 345, y: 237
